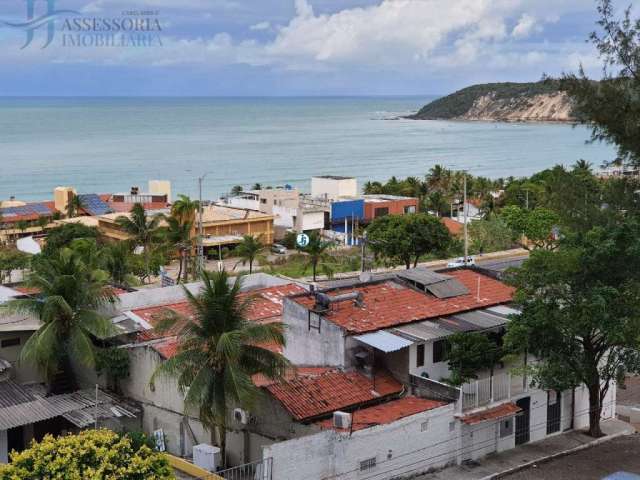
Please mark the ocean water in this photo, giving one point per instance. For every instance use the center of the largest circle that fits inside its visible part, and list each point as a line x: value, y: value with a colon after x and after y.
x: 101, y: 145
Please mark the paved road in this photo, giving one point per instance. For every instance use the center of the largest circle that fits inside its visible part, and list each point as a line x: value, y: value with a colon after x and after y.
x: 619, y: 454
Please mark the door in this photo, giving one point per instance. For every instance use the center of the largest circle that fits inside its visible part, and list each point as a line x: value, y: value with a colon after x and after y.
x: 522, y: 421
x: 554, y: 411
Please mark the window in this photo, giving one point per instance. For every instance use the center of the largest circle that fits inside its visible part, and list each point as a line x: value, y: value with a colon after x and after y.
x: 380, y: 212
x: 420, y: 355
x: 452, y: 426
x: 506, y: 428
x: 263, y: 201
x: 439, y: 351
x: 424, y: 426
x: 410, y: 209
x: 367, y: 464
x: 10, y: 342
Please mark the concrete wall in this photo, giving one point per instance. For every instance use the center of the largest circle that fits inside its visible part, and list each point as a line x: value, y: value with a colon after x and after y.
x: 309, y: 346
x: 436, y: 371
x: 23, y: 372
x: 401, y: 448
x: 332, y: 189
x: 394, y: 207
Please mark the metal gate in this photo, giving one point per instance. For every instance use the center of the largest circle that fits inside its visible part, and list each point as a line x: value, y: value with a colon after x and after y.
x: 522, y: 421
x: 554, y: 411
x: 261, y: 470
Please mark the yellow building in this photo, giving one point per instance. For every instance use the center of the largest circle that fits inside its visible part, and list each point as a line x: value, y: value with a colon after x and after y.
x: 221, y: 226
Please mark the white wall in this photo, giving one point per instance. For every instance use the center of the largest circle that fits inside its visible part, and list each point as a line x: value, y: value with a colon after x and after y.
x: 312, y: 220
x: 436, y: 371
x: 310, y: 347
x: 22, y: 372
x: 400, y: 448
x: 332, y: 189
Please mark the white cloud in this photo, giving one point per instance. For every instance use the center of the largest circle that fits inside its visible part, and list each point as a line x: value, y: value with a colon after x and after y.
x: 525, y: 27
x: 261, y: 26
x: 421, y: 36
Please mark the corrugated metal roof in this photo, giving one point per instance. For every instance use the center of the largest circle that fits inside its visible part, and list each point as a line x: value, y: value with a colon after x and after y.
x: 482, y: 319
x: 19, y: 406
x: 384, y: 341
x: 423, y: 276
x: 428, y: 330
x: 503, y: 311
x: 439, y: 285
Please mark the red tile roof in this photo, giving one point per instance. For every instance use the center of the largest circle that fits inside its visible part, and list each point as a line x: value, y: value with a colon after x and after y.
x: 306, y: 397
x: 496, y: 413
x: 265, y: 308
x: 390, y: 303
x: 385, y: 413
x: 167, y: 348
x: 259, y: 380
x: 455, y: 228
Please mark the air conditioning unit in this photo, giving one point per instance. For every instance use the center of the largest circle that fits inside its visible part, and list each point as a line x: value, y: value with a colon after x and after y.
x: 341, y: 420
x: 207, y: 457
x: 241, y: 416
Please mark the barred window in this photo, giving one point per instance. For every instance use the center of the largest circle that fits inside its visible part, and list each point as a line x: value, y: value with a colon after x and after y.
x: 367, y: 464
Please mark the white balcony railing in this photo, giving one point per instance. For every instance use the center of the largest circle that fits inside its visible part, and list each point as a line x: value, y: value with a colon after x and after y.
x: 486, y: 391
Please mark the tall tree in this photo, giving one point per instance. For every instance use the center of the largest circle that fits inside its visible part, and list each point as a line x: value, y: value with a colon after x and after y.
x: 117, y: 263
x: 470, y: 352
x: 74, y: 206
x: 536, y: 225
x: 184, y: 209
x: 405, y: 238
x: 318, y: 255
x: 612, y: 106
x: 219, y: 351
x: 70, y: 295
x: 143, y: 230
x: 249, y: 250
x: 581, y: 312
x: 178, y: 236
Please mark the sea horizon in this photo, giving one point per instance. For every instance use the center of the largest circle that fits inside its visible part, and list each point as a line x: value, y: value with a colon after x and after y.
x: 108, y: 144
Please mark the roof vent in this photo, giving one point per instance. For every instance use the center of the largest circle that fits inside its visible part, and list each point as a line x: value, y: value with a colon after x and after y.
x: 341, y: 420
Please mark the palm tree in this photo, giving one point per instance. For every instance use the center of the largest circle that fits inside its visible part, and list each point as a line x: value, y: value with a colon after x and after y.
x: 257, y: 186
x: 74, y: 206
x: 117, y: 262
x: 178, y: 235
x: 236, y: 190
x: 144, y: 230
x: 318, y: 255
x: 219, y: 351
x: 184, y: 209
x: 70, y: 296
x: 582, y: 166
x: 249, y: 250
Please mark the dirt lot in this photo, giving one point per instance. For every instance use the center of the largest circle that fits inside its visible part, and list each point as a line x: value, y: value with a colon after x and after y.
x: 620, y: 454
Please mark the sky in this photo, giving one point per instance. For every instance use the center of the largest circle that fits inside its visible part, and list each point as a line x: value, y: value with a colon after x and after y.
x: 294, y: 47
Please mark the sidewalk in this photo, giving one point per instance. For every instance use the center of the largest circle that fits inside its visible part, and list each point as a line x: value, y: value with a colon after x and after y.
x: 530, y: 452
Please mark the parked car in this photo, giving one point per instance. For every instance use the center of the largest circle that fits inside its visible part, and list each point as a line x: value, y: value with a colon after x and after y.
x: 279, y: 249
x: 459, y: 262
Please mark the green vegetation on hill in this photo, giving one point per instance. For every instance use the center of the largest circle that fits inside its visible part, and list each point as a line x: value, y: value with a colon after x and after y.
x: 459, y: 103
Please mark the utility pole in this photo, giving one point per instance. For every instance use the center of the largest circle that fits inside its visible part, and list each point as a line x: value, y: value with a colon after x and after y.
x: 465, y: 209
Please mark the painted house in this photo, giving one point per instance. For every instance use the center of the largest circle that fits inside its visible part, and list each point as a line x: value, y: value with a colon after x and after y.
x: 398, y: 324
x: 380, y: 205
